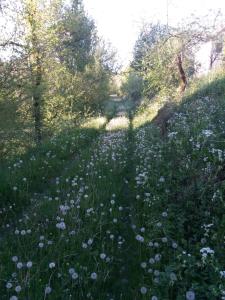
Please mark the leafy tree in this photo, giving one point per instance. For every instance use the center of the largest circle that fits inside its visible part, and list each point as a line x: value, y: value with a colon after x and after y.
x: 31, y: 48
x: 56, y: 67
x: 132, y: 86
x: 168, y: 65
x: 164, y: 57
x: 149, y: 36
x: 77, y: 37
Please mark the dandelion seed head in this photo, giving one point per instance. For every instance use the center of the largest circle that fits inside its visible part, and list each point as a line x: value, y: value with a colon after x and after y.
x: 71, y: 271
x: 9, y: 285
x: 51, y: 265
x: 140, y: 238
x: 41, y: 245
x: 143, y: 265
x: 143, y: 290
x: 13, y: 298
x: 190, y: 295
x: 29, y: 264
x: 19, y: 265
x: 18, y: 288
x: 74, y: 275
x: 90, y: 242
x: 48, y: 290
x: 94, y: 276
x: 14, y: 258
x: 102, y: 255
x: 61, y: 225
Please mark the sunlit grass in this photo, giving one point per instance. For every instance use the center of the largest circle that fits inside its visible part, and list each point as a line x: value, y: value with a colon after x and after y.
x: 95, y: 122
x: 146, y: 112
x: 118, y: 123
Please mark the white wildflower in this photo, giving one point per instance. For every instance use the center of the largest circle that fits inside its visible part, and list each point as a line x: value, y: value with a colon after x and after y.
x: 161, y: 179
x: 151, y: 261
x: 41, y: 245
x: 94, y: 276
x: 90, y: 242
x: 222, y: 274
x: 19, y: 265
x: 102, y: 255
x: 61, y: 225
x: 84, y: 245
x: 51, y: 265
x: 190, y: 295
x: 174, y: 245
x: 164, y: 239
x: 71, y: 271
x: 140, y: 238
x: 143, y: 290
x: 9, y: 285
x: 29, y: 264
x: 74, y: 275
x: 14, y: 258
x: 157, y: 257
x: 206, y: 250
x: 143, y: 265
x: 207, y: 132
x: 48, y: 290
x: 18, y: 288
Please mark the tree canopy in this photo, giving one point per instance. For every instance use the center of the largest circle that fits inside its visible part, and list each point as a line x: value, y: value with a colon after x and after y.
x: 54, y: 65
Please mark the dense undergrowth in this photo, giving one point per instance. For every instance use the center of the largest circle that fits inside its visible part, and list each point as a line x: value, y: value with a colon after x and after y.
x: 33, y: 171
x: 121, y: 214
x: 180, y: 190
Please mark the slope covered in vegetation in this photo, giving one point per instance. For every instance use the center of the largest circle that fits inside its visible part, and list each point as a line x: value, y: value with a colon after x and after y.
x: 111, y: 185
x: 132, y: 215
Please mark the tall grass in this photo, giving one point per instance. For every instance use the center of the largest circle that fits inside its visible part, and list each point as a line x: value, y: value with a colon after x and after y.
x: 34, y: 171
x: 123, y: 214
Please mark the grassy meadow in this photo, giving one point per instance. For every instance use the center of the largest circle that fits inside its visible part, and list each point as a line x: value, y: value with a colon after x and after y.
x: 112, y: 150
x: 115, y: 210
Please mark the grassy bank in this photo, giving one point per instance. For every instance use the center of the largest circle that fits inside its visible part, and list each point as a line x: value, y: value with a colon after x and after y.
x: 121, y: 214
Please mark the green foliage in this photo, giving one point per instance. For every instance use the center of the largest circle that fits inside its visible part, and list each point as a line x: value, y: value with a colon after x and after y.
x: 149, y: 36
x: 35, y: 169
x: 211, y: 85
x: 77, y: 38
x: 120, y: 211
x: 180, y: 191
x: 164, y: 59
x: 59, y: 72
x: 125, y: 214
x: 161, y: 74
x: 132, y: 86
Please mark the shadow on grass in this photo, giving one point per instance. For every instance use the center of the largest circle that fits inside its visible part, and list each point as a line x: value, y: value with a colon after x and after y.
x: 33, y: 171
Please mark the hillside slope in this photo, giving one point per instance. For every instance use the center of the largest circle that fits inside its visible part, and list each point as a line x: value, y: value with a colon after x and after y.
x: 133, y: 215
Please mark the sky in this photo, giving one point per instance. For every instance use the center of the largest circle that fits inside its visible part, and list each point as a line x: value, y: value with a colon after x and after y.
x: 119, y: 21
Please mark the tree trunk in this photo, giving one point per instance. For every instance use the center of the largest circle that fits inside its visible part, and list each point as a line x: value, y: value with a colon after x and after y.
x: 34, y: 51
x: 37, y: 95
x: 182, y: 73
